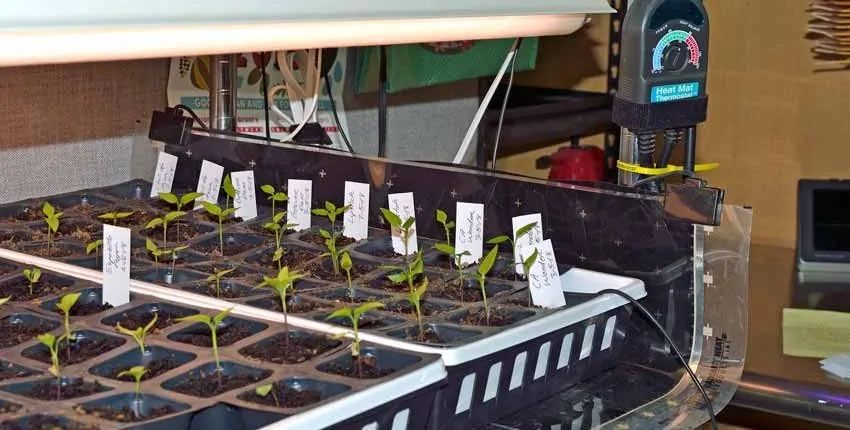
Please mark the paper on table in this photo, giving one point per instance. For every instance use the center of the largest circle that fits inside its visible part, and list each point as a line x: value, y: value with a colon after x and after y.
x: 356, y: 218
x: 402, y: 205
x: 209, y: 183
x: 245, y: 201
x: 300, y: 193
x: 544, y: 280
x: 838, y: 365
x: 116, y: 265
x: 163, y: 177
x: 533, y: 237
x: 469, y: 232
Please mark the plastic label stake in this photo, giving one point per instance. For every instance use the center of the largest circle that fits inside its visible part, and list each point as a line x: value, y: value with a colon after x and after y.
x: 356, y: 218
x: 300, y: 193
x: 245, y: 200
x: 525, y: 238
x: 402, y: 205
x: 116, y: 265
x: 469, y: 232
x: 209, y: 183
x: 166, y: 165
x: 544, y: 280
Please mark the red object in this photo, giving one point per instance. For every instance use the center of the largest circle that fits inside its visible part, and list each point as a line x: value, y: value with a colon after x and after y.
x: 577, y: 163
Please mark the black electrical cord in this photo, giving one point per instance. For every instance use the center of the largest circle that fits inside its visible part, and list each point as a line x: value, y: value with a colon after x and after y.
x: 265, y: 97
x: 382, y: 102
x: 516, y: 45
x: 673, y: 346
x: 336, y: 115
x: 193, y: 115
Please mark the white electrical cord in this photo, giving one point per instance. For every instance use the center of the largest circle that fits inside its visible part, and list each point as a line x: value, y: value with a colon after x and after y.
x: 476, y: 120
x: 304, y: 108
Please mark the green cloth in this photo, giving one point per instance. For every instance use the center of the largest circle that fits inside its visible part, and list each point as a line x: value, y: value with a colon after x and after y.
x: 422, y: 65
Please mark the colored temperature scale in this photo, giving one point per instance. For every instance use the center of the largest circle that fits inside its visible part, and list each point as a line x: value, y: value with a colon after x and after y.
x: 675, y: 51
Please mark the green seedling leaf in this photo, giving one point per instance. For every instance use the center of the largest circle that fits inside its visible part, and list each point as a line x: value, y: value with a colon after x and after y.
x: 488, y: 261
x: 48, y: 210
x: 330, y: 208
x: 278, y: 254
x: 151, y: 246
x: 47, y: 339
x: 263, y: 390
x: 32, y: 275
x: 52, y: 223
x: 122, y: 215
x: 136, y: 372
x: 325, y: 234
x: 442, y: 216
x: 201, y: 318
x: 268, y: 189
x: 228, y: 212
x: 67, y: 302
x: 228, y: 187
x: 221, y: 316
x: 153, y: 223
x: 91, y: 246
x: 529, y: 262
x: 189, y: 197
x: 345, y: 262
x: 522, y: 231
x: 420, y: 291
x: 497, y: 240
x: 408, y: 223
x: 218, y: 275
x: 445, y: 248
x: 319, y: 212
x: 418, y: 265
x: 340, y: 313
x: 391, y: 217
x: 179, y: 248
x: 171, y: 216
x: 280, y: 197
x: 451, y: 224
x: 366, y: 307
x: 271, y: 226
x: 212, y: 208
x: 278, y: 217
x: 397, y: 278
x: 169, y: 198
x: 4, y: 300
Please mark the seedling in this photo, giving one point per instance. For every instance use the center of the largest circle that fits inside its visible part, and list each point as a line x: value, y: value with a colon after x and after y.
x: 65, y: 304
x: 282, y: 283
x: 153, y: 249
x: 163, y: 221
x: 354, y: 316
x: 526, y: 269
x: 274, y: 195
x: 265, y: 390
x: 405, y: 228
x: 181, y: 201
x: 216, y: 211
x: 331, y: 212
x: 51, y: 218
x: 522, y: 231
x: 409, y: 273
x: 346, y: 264
x: 277, y: 227
x: 212, y: 322
x: 456, y: 259
x: 229, y: 191
x: 137, y: 373
x: 114, y: 216
x: 159, y: 252
x: 32, y: 275
x: 52, y: 343
x: 415, y: 299
x: 443, y: 218
x: 481, y: 275
x: 94, y: 246
x: 215, y: 280
x: 4, y: 300
x: 139, y: 333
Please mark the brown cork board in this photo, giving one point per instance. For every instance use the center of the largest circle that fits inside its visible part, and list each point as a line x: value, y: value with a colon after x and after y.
x: 49, y: 104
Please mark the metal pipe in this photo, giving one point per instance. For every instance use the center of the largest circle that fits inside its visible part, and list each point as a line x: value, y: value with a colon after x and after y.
x: 223, y: 92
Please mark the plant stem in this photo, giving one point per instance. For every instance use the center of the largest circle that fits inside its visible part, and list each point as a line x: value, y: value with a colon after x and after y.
x: 274, y: 395
x: 138, y: 388
x: 49, y: 240
x: 350, y: 287
x: 272, y: 206
x: 419, y: 318
x: 141, y: 343
x: 226, y: 201
x: 355, y: 323
x: 218, y: 287
x: 448, y: 235
x: 285, y: 322
x: 215, y: 347
x: 220, y: 236
x: 164, y: 233
x: 68, y: 332
x: 484, y: 295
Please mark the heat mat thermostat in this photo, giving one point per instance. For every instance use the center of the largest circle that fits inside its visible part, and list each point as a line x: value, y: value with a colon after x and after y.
x: 664, y: 59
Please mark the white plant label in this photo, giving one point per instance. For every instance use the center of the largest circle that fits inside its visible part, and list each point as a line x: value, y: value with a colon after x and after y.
x: 300, y: 193
x: 116, y: 265
x: 209, y: 183
x: 402, y: 205
x: 356, y: 218
x: 544, y: 280
x: 245, y: 200
x: 469, y: 232
x: 533, y: 237
x: 166, y: 165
